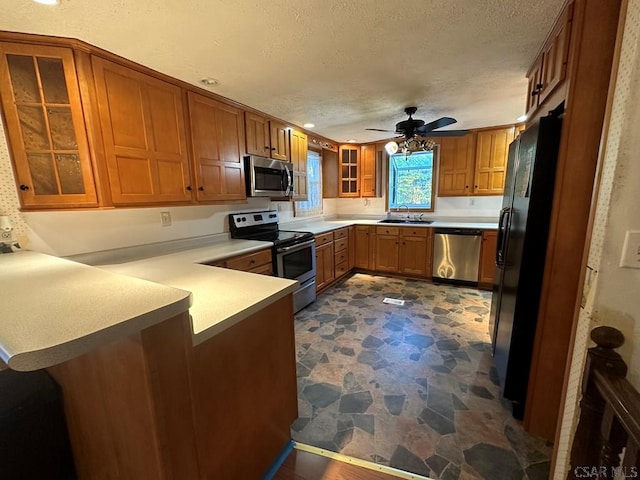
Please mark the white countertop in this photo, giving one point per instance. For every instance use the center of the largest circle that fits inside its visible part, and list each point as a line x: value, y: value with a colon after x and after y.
x: 322, y: 226
x: 53, y: 309
x: 221, y: 297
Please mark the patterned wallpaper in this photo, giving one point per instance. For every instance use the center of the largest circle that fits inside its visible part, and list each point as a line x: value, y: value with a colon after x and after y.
x: 9, y: 203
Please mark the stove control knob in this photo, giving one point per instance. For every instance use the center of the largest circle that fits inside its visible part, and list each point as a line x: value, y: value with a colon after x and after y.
x: 272, y: 215
x: 244, y: 219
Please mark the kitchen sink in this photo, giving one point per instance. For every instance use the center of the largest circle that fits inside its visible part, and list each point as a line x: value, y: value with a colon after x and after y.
x: 407, y: 222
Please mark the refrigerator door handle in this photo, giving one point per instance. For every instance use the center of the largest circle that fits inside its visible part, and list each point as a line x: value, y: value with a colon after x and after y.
x: 501, y: 240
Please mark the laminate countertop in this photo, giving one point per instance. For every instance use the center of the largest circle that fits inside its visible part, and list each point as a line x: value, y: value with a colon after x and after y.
x: 321, y: 226
x: 54, y: 309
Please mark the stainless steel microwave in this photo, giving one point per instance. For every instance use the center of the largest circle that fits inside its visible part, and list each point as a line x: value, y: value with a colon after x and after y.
x: 268, y: 178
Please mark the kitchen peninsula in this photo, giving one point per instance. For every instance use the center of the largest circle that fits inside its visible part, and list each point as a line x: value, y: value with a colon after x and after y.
x: 151, y: 391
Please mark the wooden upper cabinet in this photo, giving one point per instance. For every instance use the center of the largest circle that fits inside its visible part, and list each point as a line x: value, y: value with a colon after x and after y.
x: 217, y: 146
x: 258, y: 135
x: 330, y: 173
x: 492, y: 149
x: 299, y: 148
x: 142, y: 122
x: 549, y: 69
x: 534, y: 85
x: 457, y: 158
x: 349, y: 166
x: 555, y: 55
x: 266, y: 138
x: 368, y: 170
x: 45, y: 126
x: 279, y: 141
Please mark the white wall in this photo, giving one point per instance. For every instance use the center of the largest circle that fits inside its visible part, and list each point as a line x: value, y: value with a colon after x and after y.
x: 611, y: 293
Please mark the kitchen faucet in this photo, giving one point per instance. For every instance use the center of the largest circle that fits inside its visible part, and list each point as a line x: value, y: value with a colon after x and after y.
x: 400, y: 206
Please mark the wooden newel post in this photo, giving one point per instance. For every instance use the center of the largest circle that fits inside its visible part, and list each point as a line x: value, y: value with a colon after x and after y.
x: 591, y: 446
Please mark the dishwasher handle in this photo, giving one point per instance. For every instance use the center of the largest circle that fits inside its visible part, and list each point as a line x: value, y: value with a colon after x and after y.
x: 457, y: 231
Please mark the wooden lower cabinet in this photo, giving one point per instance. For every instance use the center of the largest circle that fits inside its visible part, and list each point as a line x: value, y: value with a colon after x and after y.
x: 256, y: 262
x: 387, y: 249
x: 488, y: 258
x: 363, y: 235
x: 154, y: 405
x: 415, y: 252
x: 324, y: 265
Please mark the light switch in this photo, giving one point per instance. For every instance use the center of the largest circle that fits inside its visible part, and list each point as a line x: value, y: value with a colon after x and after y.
x: 631, y: 250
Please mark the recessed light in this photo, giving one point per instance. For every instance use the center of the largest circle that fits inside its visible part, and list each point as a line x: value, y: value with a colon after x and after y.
x: 351, y: 141
x: 210, y: 82
x: 521, y: 118
x: 309, y: 125
x: 47, y: 2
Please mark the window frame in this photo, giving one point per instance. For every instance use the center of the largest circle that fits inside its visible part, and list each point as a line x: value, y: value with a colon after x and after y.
x: 434, y: 184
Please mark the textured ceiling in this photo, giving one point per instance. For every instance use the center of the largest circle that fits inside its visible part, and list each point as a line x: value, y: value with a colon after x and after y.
x: 345, y: 65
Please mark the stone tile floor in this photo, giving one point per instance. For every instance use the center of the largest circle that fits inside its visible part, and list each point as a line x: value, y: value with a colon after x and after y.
x: 413, y: 386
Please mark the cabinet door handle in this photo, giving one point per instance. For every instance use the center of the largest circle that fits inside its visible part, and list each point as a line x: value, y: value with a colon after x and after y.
x: 24, y: 187
x: 266, y: 147
x: 189, y: 188
x: 201, y: 188
x: 273, y: 148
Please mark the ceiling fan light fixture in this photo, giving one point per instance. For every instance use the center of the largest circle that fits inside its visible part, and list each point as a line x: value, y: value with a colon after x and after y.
x: 391, y: 147
x: 309, y: 125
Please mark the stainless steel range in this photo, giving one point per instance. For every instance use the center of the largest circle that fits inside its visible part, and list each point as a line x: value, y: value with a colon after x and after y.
x: 294, y: 253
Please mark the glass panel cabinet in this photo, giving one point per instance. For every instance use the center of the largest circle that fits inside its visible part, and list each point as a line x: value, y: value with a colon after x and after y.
x: 349, y: 175
x: 45, y: 126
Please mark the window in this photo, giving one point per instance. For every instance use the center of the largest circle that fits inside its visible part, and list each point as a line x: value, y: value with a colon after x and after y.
x: 411, y: 181
x: 313, y: 205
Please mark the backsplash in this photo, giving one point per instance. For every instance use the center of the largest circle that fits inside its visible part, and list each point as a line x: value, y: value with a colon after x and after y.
x: 476, y: 207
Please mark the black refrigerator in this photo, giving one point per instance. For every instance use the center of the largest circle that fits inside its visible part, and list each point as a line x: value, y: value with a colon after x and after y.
x: 523, y: 230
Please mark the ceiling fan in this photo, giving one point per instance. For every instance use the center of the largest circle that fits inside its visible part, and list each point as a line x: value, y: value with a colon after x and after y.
x: 411, y: 129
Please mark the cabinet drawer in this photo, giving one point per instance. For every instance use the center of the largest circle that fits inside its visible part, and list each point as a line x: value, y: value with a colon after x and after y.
x: 340, y: 233
x: 341, y: 244
x: 415, y: 232
x: 252, y: 260
x: 387, y: 230
x: 340, y: 257
x: 266, y: 269
x: 342, y: 268
x: 324, y: 238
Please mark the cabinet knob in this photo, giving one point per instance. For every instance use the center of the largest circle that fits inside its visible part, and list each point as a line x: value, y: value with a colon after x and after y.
x: 535, y: 92
x: 24, y: 187
x: 266, y: 147
x: 273, y: 148
x: 189, y: 188
x: 201, y: 188
x: 466, y: 186
x: 476, y: 186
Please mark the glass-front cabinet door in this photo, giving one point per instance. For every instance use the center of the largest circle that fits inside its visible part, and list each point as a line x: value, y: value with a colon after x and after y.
x: 349, y: 171
x: 45, y: 126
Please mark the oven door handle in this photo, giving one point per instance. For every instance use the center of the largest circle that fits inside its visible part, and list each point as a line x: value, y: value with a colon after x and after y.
x: 297, y: 246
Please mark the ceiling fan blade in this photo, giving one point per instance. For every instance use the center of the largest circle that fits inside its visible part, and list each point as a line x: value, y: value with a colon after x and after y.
x: 446, y: 133
x: 439, y: 123
x: 379, y: 130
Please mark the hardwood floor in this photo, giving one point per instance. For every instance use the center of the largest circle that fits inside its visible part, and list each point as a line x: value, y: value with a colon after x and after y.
x: 301, y: 465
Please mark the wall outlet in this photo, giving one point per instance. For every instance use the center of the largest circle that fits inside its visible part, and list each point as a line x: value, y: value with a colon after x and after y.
x: 631, y: 250
x: 472, y: 202
x: 165, y: 219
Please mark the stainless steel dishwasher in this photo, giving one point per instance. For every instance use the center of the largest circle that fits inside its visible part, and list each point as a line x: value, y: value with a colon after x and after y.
x: 456, y: 255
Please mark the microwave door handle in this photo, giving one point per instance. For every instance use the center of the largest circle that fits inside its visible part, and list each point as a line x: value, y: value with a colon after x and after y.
x: 289, y: 189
